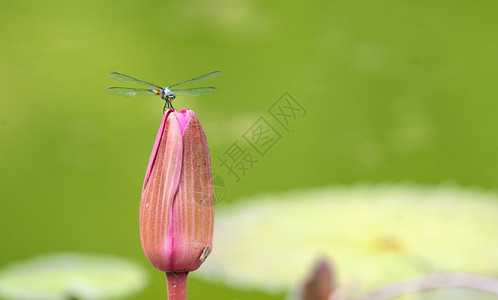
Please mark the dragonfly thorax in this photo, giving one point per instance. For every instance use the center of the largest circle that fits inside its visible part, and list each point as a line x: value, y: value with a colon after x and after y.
x: 167, y: 94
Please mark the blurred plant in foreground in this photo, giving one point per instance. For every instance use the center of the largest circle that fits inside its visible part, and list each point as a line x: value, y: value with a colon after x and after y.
x: 176, y: 210
x: 321, y: 286
x: 71, y: 276
x: 376, y: 233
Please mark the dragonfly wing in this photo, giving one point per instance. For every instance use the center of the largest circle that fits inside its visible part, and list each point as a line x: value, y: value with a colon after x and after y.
x: 123, y: 91
x: 200, y: 91
x: 126, y: 78
x: 202, y: 77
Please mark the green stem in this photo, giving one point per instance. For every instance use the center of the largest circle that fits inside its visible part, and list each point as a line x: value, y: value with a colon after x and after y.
x: 177, y: 285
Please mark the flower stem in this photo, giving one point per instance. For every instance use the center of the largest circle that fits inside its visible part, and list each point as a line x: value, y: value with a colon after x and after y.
x: 177, y: 285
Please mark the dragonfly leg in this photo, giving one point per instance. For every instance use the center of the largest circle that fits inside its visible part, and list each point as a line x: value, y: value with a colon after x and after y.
x: 167, y: 105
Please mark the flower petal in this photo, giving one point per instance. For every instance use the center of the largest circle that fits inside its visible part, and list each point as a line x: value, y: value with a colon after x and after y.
x: 193, y: 210
x: 152, y: 158
x: 158, y: 194
x: 183, y: 118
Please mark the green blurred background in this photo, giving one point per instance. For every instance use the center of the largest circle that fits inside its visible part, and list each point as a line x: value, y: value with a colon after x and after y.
x: 394, y: 91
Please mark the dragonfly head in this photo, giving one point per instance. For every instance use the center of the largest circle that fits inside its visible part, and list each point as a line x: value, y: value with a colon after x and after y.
x: 167, y: 94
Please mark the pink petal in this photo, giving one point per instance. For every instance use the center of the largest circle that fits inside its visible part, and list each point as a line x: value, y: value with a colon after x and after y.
x: 193, y: 210
x: 156, y: 206
x: 183, y: 117
x: 152, y: 158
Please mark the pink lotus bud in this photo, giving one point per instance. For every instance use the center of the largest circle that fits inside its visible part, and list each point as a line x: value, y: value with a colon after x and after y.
x: 321, y: 283
x: 176, y: 210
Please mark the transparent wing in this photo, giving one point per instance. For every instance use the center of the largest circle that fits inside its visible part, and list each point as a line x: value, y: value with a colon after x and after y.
x: 202, y: 77
x: 123, y: 91
x: 200, y: 91
x: 126, y: 78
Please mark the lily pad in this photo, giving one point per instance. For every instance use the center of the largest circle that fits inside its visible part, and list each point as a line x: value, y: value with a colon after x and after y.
x: 374, y: 234
x: 71, y: 276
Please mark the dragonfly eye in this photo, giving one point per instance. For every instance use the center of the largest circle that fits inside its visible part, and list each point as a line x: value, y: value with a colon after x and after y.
x: 171, y: 95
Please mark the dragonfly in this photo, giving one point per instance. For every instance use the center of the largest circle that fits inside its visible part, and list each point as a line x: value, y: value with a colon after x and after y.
x: 168, y: 94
